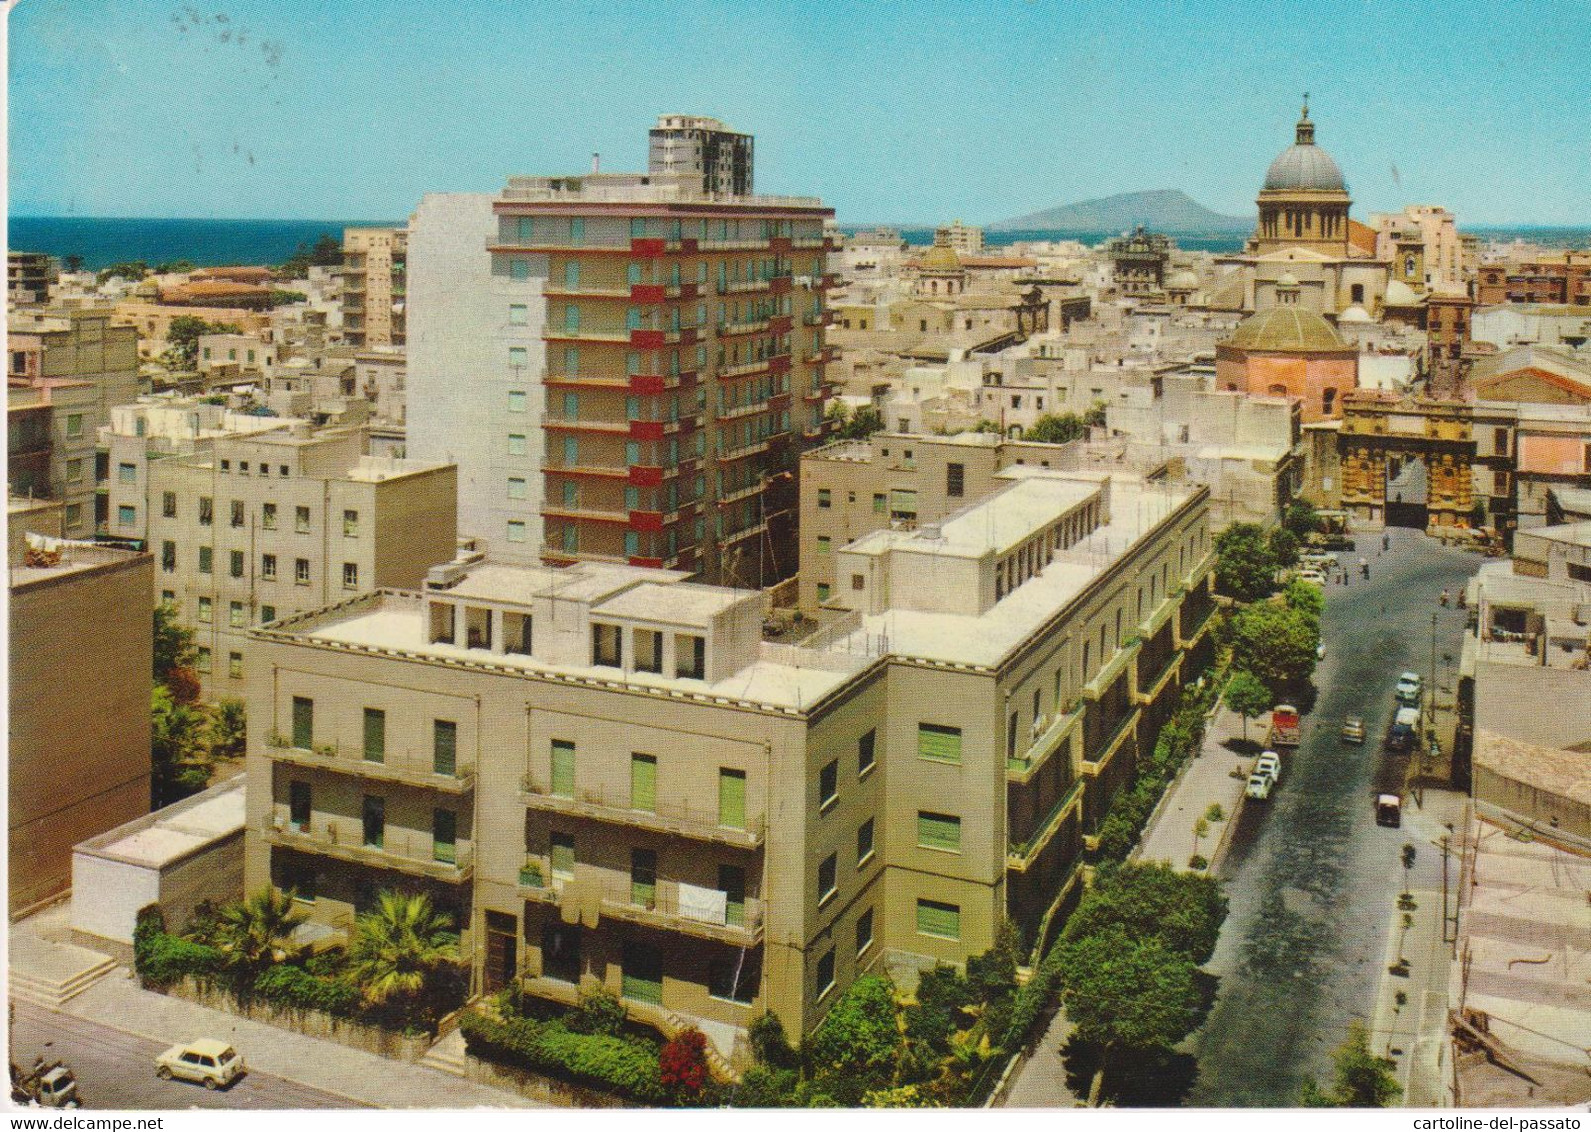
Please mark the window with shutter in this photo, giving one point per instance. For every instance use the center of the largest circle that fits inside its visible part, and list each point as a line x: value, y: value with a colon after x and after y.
x: 643, y: 783
x: 375, y: 735
x: 303, y: 723
x: 940, y: 920
x: 444, y: 747
x: 563, y: 768
x: 643, y: 877
x: 732, y: 798
x: 939, y: 744
x: 444, y: 836
x: 563, y: 856
x: 938, y: 831
x: 732, y: 882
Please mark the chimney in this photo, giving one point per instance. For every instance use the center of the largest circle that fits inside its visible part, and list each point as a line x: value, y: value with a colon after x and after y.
x: 596, y: 163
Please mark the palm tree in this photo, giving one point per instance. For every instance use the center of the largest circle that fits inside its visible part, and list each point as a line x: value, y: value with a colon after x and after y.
x: 399, y: 945
x: 251, y: 933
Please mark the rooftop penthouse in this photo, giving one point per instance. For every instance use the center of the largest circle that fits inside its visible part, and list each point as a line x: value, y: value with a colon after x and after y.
x: 967, y: 593
x: 636, y: 188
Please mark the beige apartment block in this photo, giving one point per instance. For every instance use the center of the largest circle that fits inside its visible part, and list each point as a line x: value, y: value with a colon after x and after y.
x: 260, y: 527
x: 50, y: 449
x: 153, y: 319
x: 79, y: 709
x: 896, y: 480
x: 610, y: 777
x: 373, y: 286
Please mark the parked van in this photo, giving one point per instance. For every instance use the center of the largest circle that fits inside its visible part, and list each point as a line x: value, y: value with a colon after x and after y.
x: 1405, y: 725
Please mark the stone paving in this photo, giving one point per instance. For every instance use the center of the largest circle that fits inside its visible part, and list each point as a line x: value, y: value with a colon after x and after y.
x: 1206, y: 780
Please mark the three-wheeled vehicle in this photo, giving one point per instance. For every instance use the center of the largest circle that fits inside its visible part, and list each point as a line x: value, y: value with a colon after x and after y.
x: 1389, y: 810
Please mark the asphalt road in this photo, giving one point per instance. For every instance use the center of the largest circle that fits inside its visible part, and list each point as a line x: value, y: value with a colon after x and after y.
x: 1311, y: 878
x: 116, y: 1070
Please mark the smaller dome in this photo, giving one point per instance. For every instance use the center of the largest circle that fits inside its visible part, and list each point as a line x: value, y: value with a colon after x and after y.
x: 1355, y: 313
x: 1183, y: 280
x: 1288, y: 279
x: 1284, y: 329
x: 941, y: 257
x: 1400, y: 294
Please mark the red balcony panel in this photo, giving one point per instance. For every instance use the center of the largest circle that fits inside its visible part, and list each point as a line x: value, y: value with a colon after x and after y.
x: 687, y: 336
x: 779, y: 324
x: 652, y: 563
x: 780, y: 284
x: 646, y: 520
x: 643, y: 383
x: 779, y: 400
x: 646, y: 248
x: 646, y: 339
x: 646, y: 430
x: 647, y: 292
x: 779, y: 363
x: 689, y: 290
x: 643, y: 476
x: 687, y: 245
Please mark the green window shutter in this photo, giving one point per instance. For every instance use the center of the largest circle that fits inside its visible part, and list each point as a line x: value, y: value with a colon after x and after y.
x: 444, y: 835
x: 375, y: 735
x: 643, y: 972
x: 936, y: 919
x: 732, y: 798
x: 903, y: 502
x: 643, y: 876
x: 732, y: 882
x: 303, y: 723
x: 939, y: 744
x: 643, y: 783
x: 445, y: 745
x: 563, y: 768
x: 563, y: 856
x: 938, y: 831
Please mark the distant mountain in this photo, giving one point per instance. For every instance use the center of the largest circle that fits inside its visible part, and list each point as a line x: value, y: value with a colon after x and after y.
x: 1160, y: 210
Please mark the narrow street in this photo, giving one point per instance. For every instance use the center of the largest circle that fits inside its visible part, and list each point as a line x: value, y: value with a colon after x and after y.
x: 1311, y: 878
x: 116, y: 1070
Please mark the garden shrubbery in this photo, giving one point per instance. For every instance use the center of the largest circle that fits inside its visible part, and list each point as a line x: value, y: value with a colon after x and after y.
x: 608, y: 1062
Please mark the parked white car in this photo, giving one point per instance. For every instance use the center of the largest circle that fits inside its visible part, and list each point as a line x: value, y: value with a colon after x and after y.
x: 209, y: 1062
x: 1269, y: 763
x: 1259, y: 786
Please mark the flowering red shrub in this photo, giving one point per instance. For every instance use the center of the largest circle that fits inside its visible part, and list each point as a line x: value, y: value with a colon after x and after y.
x: 682, y: 1063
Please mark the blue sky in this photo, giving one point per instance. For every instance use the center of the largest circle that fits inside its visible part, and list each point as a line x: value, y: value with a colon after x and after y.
x: 892, y: 111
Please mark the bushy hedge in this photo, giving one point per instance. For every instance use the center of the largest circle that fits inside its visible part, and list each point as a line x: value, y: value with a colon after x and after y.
x: 1181, y: 736
x: 600, y: 1061
x: 165, y: 959
x: 294, y: 987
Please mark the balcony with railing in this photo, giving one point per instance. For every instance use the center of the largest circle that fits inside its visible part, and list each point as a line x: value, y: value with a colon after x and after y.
x: 682, y: 819
x: 458, y: 781
x: 1051, y: 740
x: 663, y: 903
x: 748, y: 326
x: 407, y: 851
x: 746, y: 369
x: 1021, y: 854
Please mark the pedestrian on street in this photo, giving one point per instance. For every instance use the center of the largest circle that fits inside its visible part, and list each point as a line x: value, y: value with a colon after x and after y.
x: 1386, y: 542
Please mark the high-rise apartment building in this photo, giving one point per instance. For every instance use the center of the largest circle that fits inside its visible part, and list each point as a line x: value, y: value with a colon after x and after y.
x: 28, y: 278
x: 689, y: 145
x: 259, y: 527
x: 624, y: 369
x: 374, y: 291
x: 610, y: 778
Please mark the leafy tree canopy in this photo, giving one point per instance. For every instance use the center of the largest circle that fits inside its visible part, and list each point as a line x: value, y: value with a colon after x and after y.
x: 1245, y: 567
x: 1359, y: 1078
x: 1183, y: 910
x: 1123, y: 990
x: 1056, y: 429
x: 1248, y: 696
x: 1276, y: 644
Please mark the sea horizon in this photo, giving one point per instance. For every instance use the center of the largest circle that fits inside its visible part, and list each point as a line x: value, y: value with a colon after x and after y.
x: 210, y: 242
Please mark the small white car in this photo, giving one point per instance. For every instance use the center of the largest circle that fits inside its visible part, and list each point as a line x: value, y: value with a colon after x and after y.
x: 1269, y: 763
x: 1313, y: 577
x: 211, y: 1063
x: 1259, y: 786
x: 1409, y: 688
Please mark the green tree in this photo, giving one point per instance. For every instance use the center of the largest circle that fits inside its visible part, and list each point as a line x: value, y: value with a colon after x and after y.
x: 863, y: 423
x: 399, y: 946
x: 1056, y: 429
x: 1359, y: 1078
x: 327, y: 252
x: 72, y: 264
x: 1305, y: 598
x: 228, y: 726
x: 1183, y: 910
x: 1276, y: 644
x: 173, y: 267
x: 174, y: 646
x: 1244, y: 567
x: 986, y: 425
x: 253, y: 933
x: 858, y: 1043
x: 1125, y: 993
x: 133, y: 271
x: 183, y: 337
x: 1095, y: 417
x: 1284, y: 548
x: 281, y: 297
x: 1247, y: 695
x: 1300, y: 519
x: 174, y: 733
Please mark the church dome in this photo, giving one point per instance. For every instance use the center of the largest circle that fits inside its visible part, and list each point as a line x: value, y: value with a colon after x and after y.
x: 1304, y: 165
x: 1355, y: 313
x: 941, y: 257
x: 1284, y: 329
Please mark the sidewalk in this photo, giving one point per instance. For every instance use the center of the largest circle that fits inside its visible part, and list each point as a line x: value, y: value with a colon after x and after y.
x: 1041, y: 1079
x: 117, y: 1001
x: 1206, y: 779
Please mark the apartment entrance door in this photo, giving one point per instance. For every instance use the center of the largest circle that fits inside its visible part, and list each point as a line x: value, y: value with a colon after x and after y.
x: 502, y: 951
